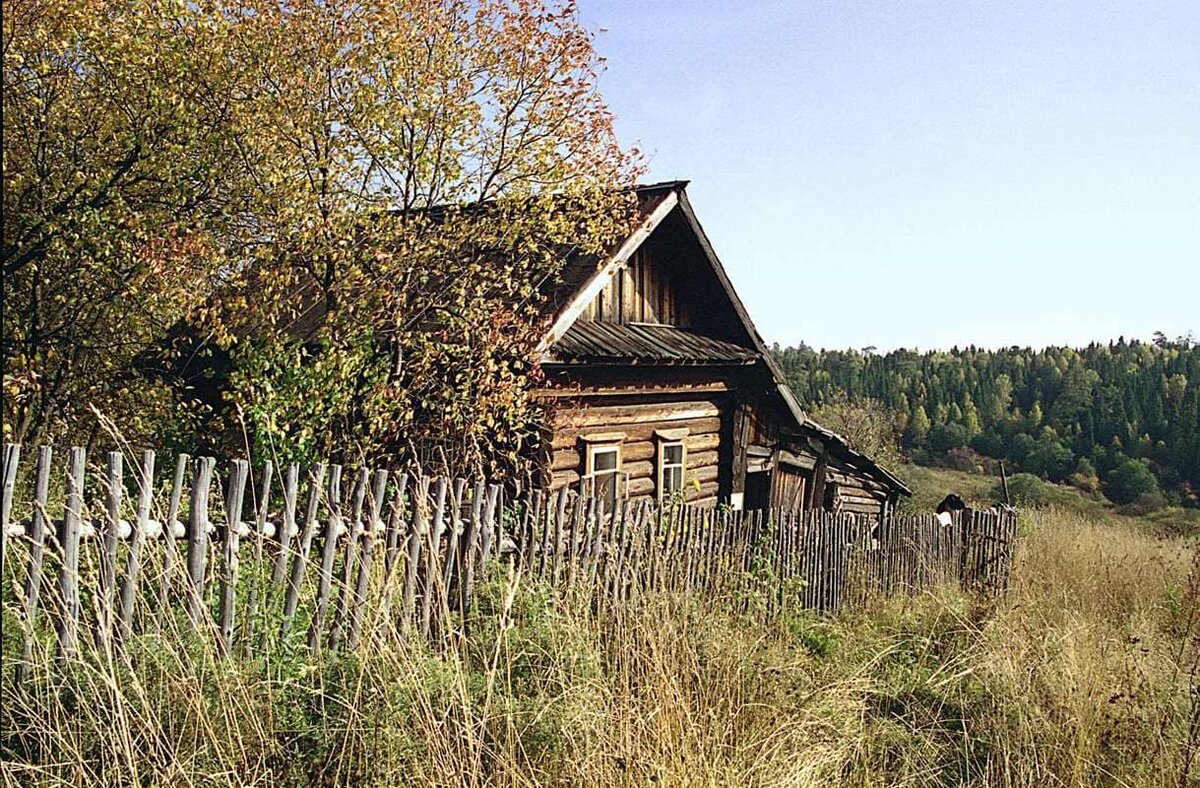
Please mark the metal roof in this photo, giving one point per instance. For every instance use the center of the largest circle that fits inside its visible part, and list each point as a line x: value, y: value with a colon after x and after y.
x: 633, y: 343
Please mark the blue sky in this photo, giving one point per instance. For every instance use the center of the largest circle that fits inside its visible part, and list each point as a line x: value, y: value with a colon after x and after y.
x: 924, y: 174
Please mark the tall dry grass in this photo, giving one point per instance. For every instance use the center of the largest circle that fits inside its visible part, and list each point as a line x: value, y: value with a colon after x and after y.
x: 1084, y: 674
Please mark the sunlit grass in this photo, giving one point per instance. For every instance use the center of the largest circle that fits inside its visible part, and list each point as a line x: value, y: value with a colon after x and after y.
x: 1083, y: 675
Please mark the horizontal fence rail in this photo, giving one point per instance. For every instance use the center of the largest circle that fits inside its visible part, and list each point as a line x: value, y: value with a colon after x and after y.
x: 324, y: 556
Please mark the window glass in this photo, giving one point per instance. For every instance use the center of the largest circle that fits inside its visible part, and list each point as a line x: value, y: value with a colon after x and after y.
x: 604, y: 460
x: 670, y: 468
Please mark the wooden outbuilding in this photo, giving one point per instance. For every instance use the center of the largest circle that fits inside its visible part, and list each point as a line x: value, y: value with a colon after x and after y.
x: 658, y: 384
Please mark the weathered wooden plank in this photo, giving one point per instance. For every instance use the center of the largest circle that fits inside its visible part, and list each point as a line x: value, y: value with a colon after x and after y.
x: 600, y: 530
x: 68, y: 540
x: 328, y: 554
x: 316, y: 485
x: 239, y: 472
x: 107, y: 575
x: 432, y: 556
x: 397, y: 530
x: 197, y: 536
x: 560, y: 517
x: 344, y: 588
x: 133, y: 565
x: 374, y: 529
x: 12, y: 458
x: 491, y: 520
x: 262, y: 508
x: 453, y: 538
x: 578, y: 517
x: 37, y: 546
x: 418, y: 535
x: 621, y: 551
x: 470, y: 546
x: 172, y: 530
x: 289, y: 530
x: 546, y: 533
x: 686, y: 543
x: 529, y: 522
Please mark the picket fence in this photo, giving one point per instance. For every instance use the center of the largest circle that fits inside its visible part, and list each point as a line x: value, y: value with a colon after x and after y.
x: 344, y: 556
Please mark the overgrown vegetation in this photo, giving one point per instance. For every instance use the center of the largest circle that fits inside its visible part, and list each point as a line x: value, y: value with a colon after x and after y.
x: 355, y: 207
x: 1085, y: 674
x: 1122, y: 419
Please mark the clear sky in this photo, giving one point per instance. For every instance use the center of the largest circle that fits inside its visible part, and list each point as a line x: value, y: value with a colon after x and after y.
x: 924, y: 174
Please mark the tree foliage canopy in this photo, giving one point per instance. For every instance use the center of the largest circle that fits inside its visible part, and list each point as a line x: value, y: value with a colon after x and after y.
x: 361, y: 203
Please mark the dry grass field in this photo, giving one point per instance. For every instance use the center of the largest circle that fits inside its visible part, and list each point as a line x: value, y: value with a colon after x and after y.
x: 1084, y: 674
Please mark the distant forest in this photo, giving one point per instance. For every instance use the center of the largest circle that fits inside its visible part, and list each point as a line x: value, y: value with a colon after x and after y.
x: 1121, y: 418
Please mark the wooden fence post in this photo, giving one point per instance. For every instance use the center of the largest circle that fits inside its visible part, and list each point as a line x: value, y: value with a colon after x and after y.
x: 433, y: 556
x: 373, y: 528
x: 288, y: 529
x: 397, y: 525
x: 133, y: 565
x: 345, y: 586
x: 12, y: 457
x: 108, y: 551
x: 170, y: 533
x: 234, y: 497
x: 68, y: 539
x: 37, y: 548
x: 262, y: 512
x: 560, y: 520
x: 316, y: 484
x: 197, y: 536
x: 453, y: 536
x: 470, y: 541
x: 328, y: 553
x: 418, y: 529
x: 491, y: 524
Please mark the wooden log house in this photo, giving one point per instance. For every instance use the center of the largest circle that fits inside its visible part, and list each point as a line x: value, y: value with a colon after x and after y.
x: 659, y: 385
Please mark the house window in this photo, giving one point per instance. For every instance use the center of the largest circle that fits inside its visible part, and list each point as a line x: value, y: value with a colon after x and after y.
x: 671, y: 462
x: 603, y: 468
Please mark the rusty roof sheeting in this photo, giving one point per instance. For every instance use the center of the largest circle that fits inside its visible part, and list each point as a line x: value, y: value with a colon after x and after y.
x: 633, y: 343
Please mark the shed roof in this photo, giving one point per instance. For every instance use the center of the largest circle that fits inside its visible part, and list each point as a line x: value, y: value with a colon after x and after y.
x: 634, y: 343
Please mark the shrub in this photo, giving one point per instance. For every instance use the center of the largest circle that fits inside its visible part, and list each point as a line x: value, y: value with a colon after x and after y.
x: 1146, y: 503
x: 1025, y: 489
x: 989, y: 444
x: 963, y: 460
x: 1051, y: 459
x: 1129, y: 481
x: 944, y: 437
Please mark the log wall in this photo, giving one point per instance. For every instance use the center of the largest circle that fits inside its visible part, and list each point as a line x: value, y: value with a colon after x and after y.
x: 633, y: 425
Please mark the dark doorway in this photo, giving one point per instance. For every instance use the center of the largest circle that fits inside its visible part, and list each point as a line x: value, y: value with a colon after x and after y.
x: 758, y: 490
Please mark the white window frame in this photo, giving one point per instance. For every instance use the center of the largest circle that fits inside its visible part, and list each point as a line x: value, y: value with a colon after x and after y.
x: 664, y: 439
x: 663, y: 466
x: 593, y: 448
